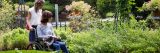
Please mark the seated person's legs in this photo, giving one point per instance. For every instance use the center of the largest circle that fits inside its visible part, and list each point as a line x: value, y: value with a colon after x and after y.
x: 57, y: 46
x: 63, y: 46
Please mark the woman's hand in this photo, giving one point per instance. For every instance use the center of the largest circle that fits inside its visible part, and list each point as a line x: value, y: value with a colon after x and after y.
x: 28, y: 25
x: 54, y: 38
x: 57, y: 38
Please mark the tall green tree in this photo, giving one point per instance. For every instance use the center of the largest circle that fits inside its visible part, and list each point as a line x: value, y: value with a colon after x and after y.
x: 104, y: 6
x: 124, y: 9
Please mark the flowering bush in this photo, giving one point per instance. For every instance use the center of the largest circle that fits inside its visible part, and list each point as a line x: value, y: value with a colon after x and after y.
x: 80, y: 6
x: 152, y: 5
x: 81, y: 16
x: 6, y: 15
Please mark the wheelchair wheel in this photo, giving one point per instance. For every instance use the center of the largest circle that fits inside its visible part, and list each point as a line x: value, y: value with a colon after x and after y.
x: 34, y: 46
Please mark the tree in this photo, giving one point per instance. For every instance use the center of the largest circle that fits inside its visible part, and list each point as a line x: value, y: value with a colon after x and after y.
x: 124, y: 9
x: 135, y: 9
x: 91, y: 2
x: 61, y: 2
x: 105, y: 6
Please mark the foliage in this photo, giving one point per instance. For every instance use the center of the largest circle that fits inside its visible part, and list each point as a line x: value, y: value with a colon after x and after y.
x: 133, y: 37
x: 130, y: 38
x: 24, y: 51
x: 124, y: 9
x: 152, y: 23
x: 80, y: 6
x: 48, y: 6
x: 16, y: 6
x: 152, y: 5
x: 17, y: 38
x: 80, y: 19
x: 0, y: 4
x: 30, y: 4
x: 84, y: 23
x: 105, y: 6
x: 6, y: 15
x: 21, y: 10
x: 121, y: 7
x: 61, y: 2
x: 17, y: 1
x: 30, y: 0
x: 10, y: 14
x: 91, y: 2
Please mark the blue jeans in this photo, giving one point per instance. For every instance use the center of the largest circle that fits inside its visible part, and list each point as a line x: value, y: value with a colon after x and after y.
x: 60, y: 45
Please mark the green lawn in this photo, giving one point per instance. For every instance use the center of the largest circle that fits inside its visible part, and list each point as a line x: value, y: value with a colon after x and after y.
x: 25, y: 51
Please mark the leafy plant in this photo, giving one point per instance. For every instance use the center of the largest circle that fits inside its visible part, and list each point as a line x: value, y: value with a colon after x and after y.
x: 79, y: 6
x: 81, y: 19
x: 24, y: 51
x: 130, y: 38
x: 30, y: 4
x: 123, y: 9
x: 48, y: 6
x: 152, y: 5
x: 6, y: 21
x: 17, y: 38
x: 105, y: 6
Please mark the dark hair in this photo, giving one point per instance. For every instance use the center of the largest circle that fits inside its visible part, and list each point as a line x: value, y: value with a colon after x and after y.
x: 46, y: 15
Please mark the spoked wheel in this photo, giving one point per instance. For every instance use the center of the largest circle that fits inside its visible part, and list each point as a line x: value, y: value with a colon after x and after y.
x: 34, y: 46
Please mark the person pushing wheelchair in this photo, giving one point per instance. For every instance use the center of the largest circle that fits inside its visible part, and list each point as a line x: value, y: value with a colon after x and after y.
x: 45, y: 31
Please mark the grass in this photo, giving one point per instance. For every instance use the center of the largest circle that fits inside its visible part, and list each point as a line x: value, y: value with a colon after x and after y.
x: 25, y: 51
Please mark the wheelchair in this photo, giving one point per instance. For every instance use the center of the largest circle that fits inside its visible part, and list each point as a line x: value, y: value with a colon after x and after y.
x: 39, y: 44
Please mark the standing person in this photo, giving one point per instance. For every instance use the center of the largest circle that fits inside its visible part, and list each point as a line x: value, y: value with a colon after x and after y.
x: 34, y: 18
x: 45, y: 31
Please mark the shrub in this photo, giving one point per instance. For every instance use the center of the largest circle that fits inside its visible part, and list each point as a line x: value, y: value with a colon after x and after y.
x: 81, y: 19
x: 152, y: 5
x: 80, y: 6
x: 6, y: 15
x: 17, y: 38
x: 130, y: 38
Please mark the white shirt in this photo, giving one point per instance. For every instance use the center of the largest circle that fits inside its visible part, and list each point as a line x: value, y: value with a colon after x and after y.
x: 44, y: 31
x: 35, y: 16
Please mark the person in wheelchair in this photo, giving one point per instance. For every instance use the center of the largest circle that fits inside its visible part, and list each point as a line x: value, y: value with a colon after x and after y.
x: 45, y: 31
